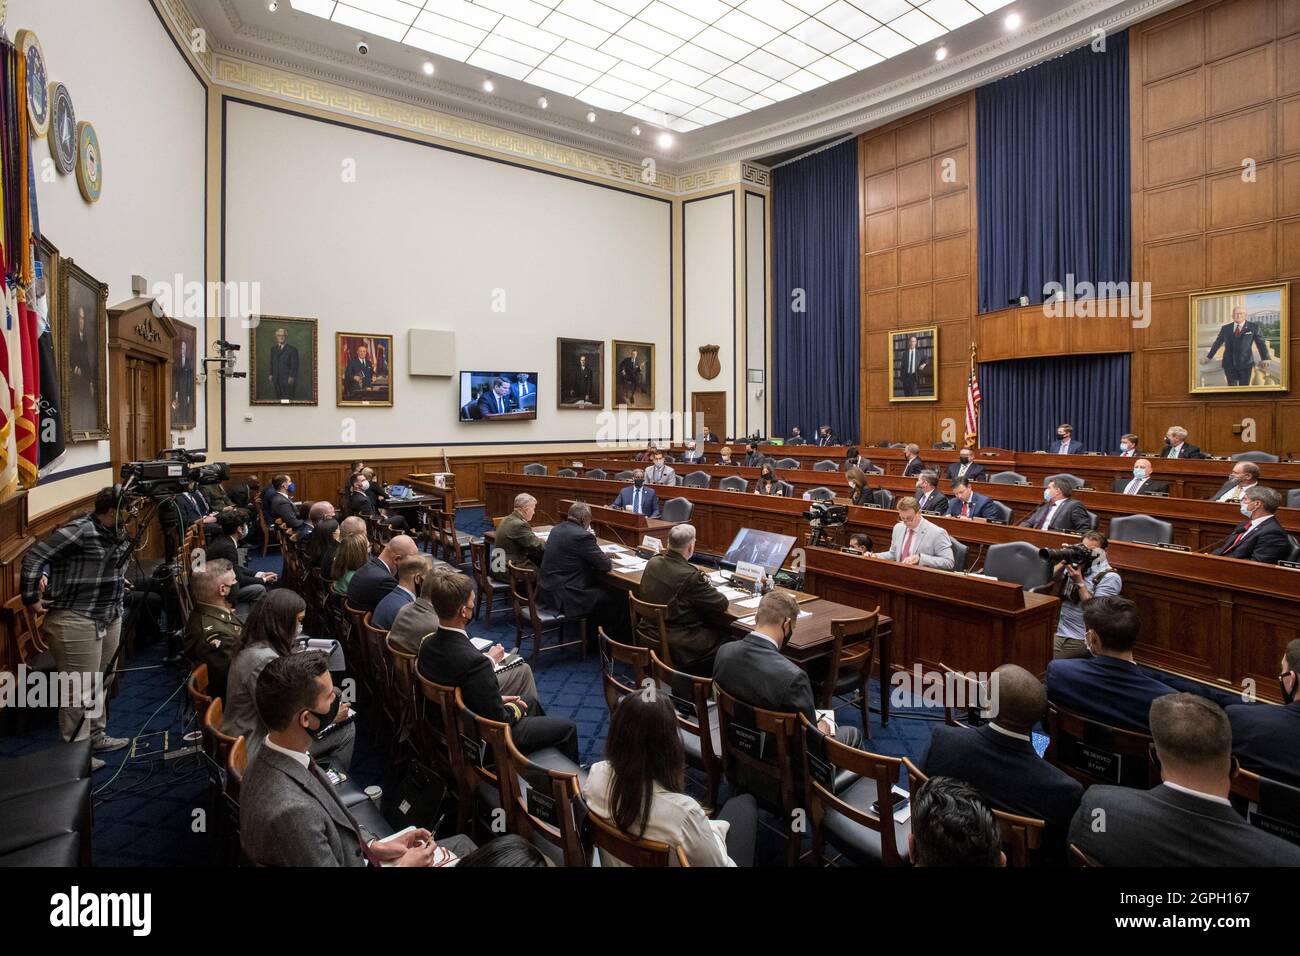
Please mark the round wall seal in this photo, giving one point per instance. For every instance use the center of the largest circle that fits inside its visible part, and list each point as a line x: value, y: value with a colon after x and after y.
x: 38, y: 82
x: 63, y: 129
x: 90, y: 163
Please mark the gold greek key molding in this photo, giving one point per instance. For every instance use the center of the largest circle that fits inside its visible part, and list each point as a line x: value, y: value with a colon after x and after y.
x: 184, y: 26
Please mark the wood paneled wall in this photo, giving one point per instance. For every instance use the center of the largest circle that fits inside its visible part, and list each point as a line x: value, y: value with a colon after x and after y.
x: 1213, y: 82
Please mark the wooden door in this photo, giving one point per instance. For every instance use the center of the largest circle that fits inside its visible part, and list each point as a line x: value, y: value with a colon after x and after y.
x: 714, y: 407
x: 142, y: 409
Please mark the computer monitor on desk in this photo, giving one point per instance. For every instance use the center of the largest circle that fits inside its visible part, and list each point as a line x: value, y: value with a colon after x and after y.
x: 764, y: 548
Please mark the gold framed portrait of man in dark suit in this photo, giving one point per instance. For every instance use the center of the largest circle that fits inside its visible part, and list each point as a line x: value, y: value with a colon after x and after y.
x: 1239, y: 340
x: 580, y: 370
x: 81, y: 335
x: 914, y: 365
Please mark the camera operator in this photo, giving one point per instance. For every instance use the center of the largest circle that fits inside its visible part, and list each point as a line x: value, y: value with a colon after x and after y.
x: 83, y: 562
x: 1074, y: 588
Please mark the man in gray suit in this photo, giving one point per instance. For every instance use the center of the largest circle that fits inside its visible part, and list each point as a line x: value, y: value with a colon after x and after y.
x: 289, y: 813
x: 1187, y: 820
x: 916, y: 541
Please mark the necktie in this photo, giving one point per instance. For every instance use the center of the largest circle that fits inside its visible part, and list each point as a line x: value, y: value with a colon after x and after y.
x: 1047, y: 519
x: 907, y: 546
x: 965, y: 509
x: 1237, y: 540
x: 1238, y: 332
x: 1133, y: 486
x: 636, y: 500
x: 1174, y: 453
x: 319, y: 774
x: 1065, y: 447
x: 911, y: 361
x: 961, y: 472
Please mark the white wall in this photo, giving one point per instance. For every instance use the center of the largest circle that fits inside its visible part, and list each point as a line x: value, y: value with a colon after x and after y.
x: 127, y: 77
x: 425, y: 237
x: 709, y: 262
x: 756, y: 310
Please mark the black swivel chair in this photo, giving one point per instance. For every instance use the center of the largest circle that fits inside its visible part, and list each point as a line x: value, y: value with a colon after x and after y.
x: 1017, y: 561
x: 1254, y: 456
x: 821, y: 493
x: 697, y: 479
x: 677, y: 509
x: 1142, y: 529
x: 596, y: 473
x: 536, y: 468
x: 1004, y: 511
x: 733, y: 483
x: 826, y: 465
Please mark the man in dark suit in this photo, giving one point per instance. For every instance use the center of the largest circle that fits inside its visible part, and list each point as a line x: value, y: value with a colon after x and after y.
x: 449, y: 658
x: 1238, y: 339
x: 278, y: 504
x: 82, y: 363
x: 1065, y: 443
x: 968, y: 503
x: 183, y: 385
x: 754, y: 671
x: 569, y: 580
x: 410, y: 576
x: 496, y: 400
x: 824, y: 436
x: 358, y: 374
x: 697, y: 611
x: 250, y: 586
x: 928, y: 496
x: 1108, y: 687
x: 1059, y: 511
x: 584, y: 383
x: 1140, y: 483
x: 1187, y: 820
x: 966, y: 466
x: 630, y: 378
x: 1128, y: 446
x: 1245, y: 475
x: 283, y: 370
x: 914, y: 465
x: 753, y: 457
x: 998, y: 759
x: 360, y: 503
x: 707, y: 437
x: 911, y: 363
x: 638, y: 497
x: 373, y: 580
x: 289, y: 813
x: 522, y: 392
x: 691, y: 455
x: 1259, y: 537
x: 796, y: 436
x: 1265, y: 738
x: 1176, y: 445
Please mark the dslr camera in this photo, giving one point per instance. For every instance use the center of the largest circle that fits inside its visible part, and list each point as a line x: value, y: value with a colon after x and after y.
x: 1075, y: 555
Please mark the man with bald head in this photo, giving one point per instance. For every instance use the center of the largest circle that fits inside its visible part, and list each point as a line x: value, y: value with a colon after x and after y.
x: 1141, y: 483
x: 999, y: 759
x: 376, y: 578
x: 353, y: 524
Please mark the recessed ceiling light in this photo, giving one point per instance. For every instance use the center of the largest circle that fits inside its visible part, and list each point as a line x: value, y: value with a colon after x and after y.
x: 636, y: 130
x: 1012, y: 21
x: 591, y: 116
x: 488, y: 85
x: 428, y: 68
x: 543, y: 102
x: 941, y: 53
x: 665, y: 140
x: 273, y: 5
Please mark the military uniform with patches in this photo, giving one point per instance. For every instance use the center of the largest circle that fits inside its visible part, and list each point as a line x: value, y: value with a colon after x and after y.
x: 211, y: 636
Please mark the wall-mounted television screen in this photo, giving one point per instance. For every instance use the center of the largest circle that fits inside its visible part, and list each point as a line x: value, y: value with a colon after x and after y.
x: 498, y: 396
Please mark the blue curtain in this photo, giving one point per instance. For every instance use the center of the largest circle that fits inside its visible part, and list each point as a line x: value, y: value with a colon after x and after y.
x: 1024, y: 400
x: 1052, y: 146
x: 815, y: 260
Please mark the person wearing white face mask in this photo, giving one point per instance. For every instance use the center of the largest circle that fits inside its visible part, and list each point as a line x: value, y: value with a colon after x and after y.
x: 1128, y: 446
x: 1140, y: 483
x: 1259, y: 537
x: 1059, y: 511
x: 1075, y: 588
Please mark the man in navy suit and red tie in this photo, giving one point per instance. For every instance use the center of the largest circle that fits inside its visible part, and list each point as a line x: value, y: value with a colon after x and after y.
x: 496, y: 400
x: 968, y: 503
x: 1128, y: 446
x: 639, y: 497
x: 1065, y: 443
x: 1259, y: 537
x: 1237, y: 339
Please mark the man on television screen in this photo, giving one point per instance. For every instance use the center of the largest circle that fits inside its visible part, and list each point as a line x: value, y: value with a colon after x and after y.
x: 523, y: 392
x: 496, y: 400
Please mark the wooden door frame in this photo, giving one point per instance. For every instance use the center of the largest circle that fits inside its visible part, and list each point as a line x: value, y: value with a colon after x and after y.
x: 721, y: 432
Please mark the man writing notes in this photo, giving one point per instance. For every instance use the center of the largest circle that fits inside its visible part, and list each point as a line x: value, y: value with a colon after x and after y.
x: 1059, y: 511
x: 916, y: 541
x: 638, y: 498
x: 1140, y: 483
x: 1237, y: 339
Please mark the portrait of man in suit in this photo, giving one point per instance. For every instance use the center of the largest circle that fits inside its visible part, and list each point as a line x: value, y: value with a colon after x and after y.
x: 634, y: 374
x: 81, y: 332
x: 363, y: 381
x: 913, y: 360
x: 282, y: 358
x: 1239, y: 340
x: 183, y: 386
x: 581, y: 367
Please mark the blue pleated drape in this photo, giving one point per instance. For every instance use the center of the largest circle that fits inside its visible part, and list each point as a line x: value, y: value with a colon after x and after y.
x: 1052, y: 147
x: 1025, y: 399
x: 815, y: 352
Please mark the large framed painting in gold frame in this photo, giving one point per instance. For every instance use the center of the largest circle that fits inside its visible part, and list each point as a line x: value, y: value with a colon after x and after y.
x: 914, y: 365
x: 82, y: 336
x: 282, y: 361
x: 580, y: 371
x: 1240, y: 340
x: 633, y: 371
x: 364, y: 369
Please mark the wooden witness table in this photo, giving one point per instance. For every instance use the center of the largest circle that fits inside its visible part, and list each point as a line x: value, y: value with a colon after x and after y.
x: 1215, y: 619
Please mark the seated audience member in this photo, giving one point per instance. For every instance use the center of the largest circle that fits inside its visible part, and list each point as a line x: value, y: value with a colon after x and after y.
x: 516, y: 539
x: 250, y: 586
x: 359, y: 502
x: 1187, y: 820
x: 1108, y: 687
x: 379, y: 500
x: 854, y: 459
x: 796, y: 436
x: 755, y: 672
x: 914, y: 466
x: 659, y: 472
x: 753, y: 457
x: 212, y: 631
x: 646, y: 454
x: 353, y: 524
x: 351, y: 555
x: 218, y: 497
x: 1140, y: 483
x: 1266, y: 738
x: 953, y: 826
x: 354, y: 468
x: 243, y: 494
x: 374, y: 579
x: 1128, y: 446
x: 418, y: 622
x: 320, y: 511
x: 724, y: 456
x: 510, y: 849
x: 965, y: 467
x: 289, y: 813
x: 825, y: 436
x: 998, y: 759
x: 860, y: 490
x: 917, y: 541
x: 1245, y: 476
x: 707, y: 436
x: 1059, y: 510
x: 1176, y: 445
x: 768, y: 483
x: 270, y: 632
x: 320, y: 547
x: 1076, y: 589
x: 278, y: 504
x: 696, y: 612
x: 968, y: 503
x: 928, y: 496
x: 1259, y: 537
x: 411, y: 570
x: 691, y: 455
x: 569, y: 578
x: 859, y: 542
x: 637, y: 497
x: 1065, y: 443
x: 640, y: 787
x: 449, y: 658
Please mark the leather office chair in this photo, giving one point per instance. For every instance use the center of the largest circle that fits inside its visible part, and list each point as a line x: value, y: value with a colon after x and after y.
x: 1004, y: 511
x: 1008, y: 478
x: 536, y: 468
x: 1295, y: 548
x: 624, y: 476
x: 1080, y: 747
x: 1073, y: 479
x: 566, y: 473
x: 786, y: 489
x: 883, y: 497
x: 943, y: 446
x: 1254, y: 456
x: 677, y: 509
x: 1017, y: 561
x: 697, y: 479
x: 1142, y: 529
x: 598, y: 473
x: 489, y: 588
x: 1092, y: 519
x: 733, y: 483
x: 821, y: 493
x: 826, y: 465
x: 787, y: 463
x: 959, y: 552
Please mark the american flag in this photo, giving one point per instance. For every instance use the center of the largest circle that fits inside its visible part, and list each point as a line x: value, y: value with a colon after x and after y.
x: 972, y: 404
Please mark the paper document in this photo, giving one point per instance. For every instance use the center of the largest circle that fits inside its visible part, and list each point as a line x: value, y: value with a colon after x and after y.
x: 752, y: 602
x: 481, y: 643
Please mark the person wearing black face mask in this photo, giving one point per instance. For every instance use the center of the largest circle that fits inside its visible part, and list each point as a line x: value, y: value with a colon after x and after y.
x: 638, y: 498
x: 966, y: 467
x: 250, y: 587
x: 768, y: 483
x: 1065, y: 443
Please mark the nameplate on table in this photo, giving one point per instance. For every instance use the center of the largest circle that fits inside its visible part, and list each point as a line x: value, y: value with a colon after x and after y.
x: 750, y: 571
x: 651, y: 544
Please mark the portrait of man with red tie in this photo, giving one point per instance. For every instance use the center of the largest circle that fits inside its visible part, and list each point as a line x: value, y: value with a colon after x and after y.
x: 1239, y: 340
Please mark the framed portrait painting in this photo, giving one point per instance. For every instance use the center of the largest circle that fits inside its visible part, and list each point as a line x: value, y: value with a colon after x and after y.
x: 282, y: 361
x: 1240, y: 340
x: 634, y: 374
x: 913, y: 365
x: 580, y: 366
x: 184, y: 364
x: 364, y: 364
x: 47, y: 257
x: 81, y: 335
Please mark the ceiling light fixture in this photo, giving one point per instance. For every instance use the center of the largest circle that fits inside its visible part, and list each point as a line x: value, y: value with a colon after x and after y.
x: 488, y: 85
x: 636, y: 130
x: 428, y: 68
x: 273, y: 5
x: 1012, y: 21
x: 941, y: 53
x: 591, y: 116
x: 665, y: 140
x: 543, y: 102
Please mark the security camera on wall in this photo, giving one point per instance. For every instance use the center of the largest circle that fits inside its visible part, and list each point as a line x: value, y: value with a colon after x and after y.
x: 363, y: 47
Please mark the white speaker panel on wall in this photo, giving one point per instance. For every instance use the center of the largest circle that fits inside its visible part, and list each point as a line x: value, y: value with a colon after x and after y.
x: 432, y: 351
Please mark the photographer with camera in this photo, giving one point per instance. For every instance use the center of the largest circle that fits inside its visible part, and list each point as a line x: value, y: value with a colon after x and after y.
x: 76, y: 576
x: 1080, y: 572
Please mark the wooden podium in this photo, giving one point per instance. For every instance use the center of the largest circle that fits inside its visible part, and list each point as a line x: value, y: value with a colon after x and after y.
x: 625, y: 527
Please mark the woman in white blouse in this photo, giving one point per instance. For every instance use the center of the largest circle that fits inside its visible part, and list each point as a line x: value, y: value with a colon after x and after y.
x: 640, y: 788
